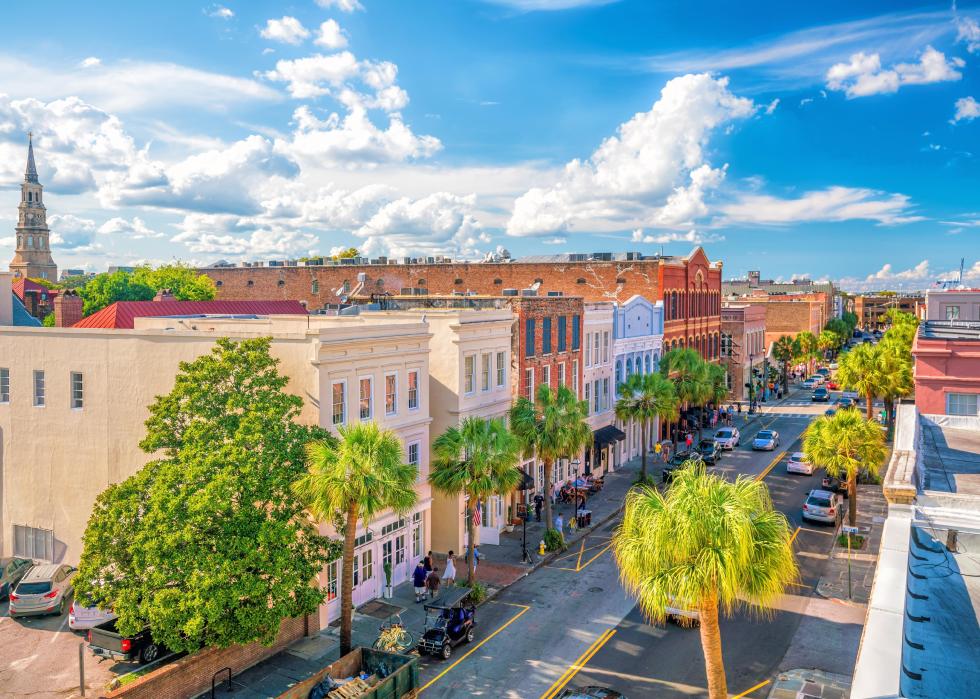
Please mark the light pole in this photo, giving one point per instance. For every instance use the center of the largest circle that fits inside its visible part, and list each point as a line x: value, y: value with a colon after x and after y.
x: 751, y: 383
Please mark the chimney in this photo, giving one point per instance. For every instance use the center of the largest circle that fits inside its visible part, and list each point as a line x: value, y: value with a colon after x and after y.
x: 165, y: 295
x: 67, y: 309
x: 754, y: 278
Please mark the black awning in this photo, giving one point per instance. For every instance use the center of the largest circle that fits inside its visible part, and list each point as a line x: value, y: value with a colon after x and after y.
x: 527, y: 483
x: 608, y: 435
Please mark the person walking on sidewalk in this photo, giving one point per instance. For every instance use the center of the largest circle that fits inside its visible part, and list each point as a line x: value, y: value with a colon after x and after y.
x: 427, y: 562
x: 432, y: 583
x: 538, y: 504
x: 559, y: 523
x: 450, y: 575
x: 418, y: 581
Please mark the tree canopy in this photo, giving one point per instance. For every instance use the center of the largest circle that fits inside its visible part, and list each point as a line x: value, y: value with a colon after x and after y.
x: 142, y: 284
x: 206, y: 543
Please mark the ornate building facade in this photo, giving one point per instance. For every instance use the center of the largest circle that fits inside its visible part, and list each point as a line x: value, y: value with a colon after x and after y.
x: 32, y: 256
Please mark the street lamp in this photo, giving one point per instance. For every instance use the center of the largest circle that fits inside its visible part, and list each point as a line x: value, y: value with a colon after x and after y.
x: 751, y: 383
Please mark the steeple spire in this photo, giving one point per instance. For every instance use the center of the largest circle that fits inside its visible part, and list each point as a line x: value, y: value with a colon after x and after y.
x: 31, y: 174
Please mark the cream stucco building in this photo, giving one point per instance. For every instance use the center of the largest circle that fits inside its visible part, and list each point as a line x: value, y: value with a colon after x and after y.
x: 73, y: 403
x: 598, y: 389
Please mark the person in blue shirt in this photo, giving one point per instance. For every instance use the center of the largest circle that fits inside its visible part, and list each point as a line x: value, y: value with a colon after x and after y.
x: 418, y: 581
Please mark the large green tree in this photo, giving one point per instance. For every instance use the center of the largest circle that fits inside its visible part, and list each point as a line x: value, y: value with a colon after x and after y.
x: 478, y: 458
x: 206, y: 543
x: 707, y: 544
x: 865, y: 369
x: 644, y: 398
x: 845, y: 444
x: 142, y: 284
x: 552, y: 427
x: 352, y: 480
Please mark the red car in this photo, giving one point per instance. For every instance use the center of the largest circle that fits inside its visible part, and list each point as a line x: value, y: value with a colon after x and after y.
x: 832, y: 385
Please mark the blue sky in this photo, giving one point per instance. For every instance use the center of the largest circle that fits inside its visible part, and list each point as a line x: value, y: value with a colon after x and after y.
x: 836, y: 140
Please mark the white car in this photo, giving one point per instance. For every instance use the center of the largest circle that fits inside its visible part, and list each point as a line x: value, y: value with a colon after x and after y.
x: 817, y: 379
x: 809, y: 384
x: 682, y: 614
x: 798, y: 464
x: 81, y: 618
x: 727, y: 438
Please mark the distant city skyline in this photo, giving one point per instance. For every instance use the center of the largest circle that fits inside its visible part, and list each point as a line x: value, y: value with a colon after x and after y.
x: 834, y: 142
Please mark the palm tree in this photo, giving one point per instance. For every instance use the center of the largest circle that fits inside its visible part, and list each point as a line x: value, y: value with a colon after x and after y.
x: 782, y: 351
x: 552, y: 427
x: 686, y: 369
x: 828, y: 341
x: 357, y: 477
x: 863, y: 370
x: 717, y: 384
x: 845, y: 444
x: 805, y: 347
x: 479, y: 458
x: 708, y: 544
x: 645, y: 397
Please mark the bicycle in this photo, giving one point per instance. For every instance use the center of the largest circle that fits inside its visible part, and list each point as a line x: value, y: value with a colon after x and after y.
x: 393, y: 636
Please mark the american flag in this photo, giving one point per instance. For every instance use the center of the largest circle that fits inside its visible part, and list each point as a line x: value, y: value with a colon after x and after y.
x: 477, y: 518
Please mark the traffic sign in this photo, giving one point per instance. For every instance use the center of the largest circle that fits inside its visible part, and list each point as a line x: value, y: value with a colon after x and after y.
x: 849, y: 530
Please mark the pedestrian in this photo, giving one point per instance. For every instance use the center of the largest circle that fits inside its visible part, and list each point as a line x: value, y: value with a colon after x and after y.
x: 538, y: 504
x: 449, y: 577
x: 689, y: 440
x: 657, y: 448
x: 476, y: 556
x: 432, y: 583
x: 559, y: 523
x: 739, y: 407
x: 427, y: 562
x: 418, y: 581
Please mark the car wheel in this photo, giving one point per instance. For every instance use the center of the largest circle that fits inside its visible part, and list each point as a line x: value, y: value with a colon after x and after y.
x: 447, y: 651
x: 470, y: 635
x: 149, y: 654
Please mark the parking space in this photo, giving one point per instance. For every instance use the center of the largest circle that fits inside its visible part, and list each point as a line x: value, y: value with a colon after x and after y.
x: 39, y: 658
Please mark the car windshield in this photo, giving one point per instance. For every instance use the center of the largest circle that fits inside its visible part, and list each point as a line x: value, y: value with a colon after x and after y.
x: 765, y: 434
x: 723, y: 434
x: 35, y: 588
x: 818, y: 501
x: 799, y: 456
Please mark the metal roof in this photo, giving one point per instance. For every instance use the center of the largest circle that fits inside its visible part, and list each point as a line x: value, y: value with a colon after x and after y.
x: 122, y: 314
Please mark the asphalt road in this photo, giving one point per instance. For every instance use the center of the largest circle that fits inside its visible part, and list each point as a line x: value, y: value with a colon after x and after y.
x: 571, y: 623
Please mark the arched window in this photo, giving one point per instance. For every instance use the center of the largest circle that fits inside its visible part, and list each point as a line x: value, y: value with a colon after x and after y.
x: 629, y: 368
x: 656, y: 361
x: 646, y: 364
x: 30, y: 196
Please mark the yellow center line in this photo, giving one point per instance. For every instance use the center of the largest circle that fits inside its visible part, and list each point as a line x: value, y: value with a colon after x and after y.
x: 771, y: 466
x: 749, y: 691
x: 524, y: 610
x: 579, y: 663
x: 795, y: 534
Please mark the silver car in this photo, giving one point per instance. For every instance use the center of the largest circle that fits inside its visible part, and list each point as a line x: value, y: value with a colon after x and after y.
x: 823, y: 506
x: 766, y: 440
x: 11, y: 571
x: 46, y: 589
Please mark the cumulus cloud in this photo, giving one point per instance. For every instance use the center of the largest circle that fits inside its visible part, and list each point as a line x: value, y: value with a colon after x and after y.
x: 330, y: 35
x: 342, y: 5
x: 863, y: 75
x: 90, y: 62
x: 70, y: 232
x: 968, y: 31
x: 233, y: 236
x: 692, y: 236
x: 967, y: 109
x: 831, y: 204
x: 287, y: 30
x: 220, y: 12
x: 134, y: 229
x: 653, y: 167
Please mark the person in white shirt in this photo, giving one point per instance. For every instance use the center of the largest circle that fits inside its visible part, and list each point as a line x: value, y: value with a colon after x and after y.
x: 449, y: 577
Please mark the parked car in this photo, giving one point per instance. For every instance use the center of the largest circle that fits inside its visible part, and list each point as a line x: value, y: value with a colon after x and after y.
x: 682, y: 614
x: 853, y: 395
x: 11, y: 571
x: 590, y: 692
x: 727, y: 438
x: 766, y: 440
x: 824, y: 372
x: 105, y: 642
x: 809, y: 384
x: 85, y: 616
x: 820, y: 395
x: 817, y: 379
x: 845, y: 403
x: 798, y: 464
x: 830, y: 412
x: 45, y: 589
x: 677, y: 461
x: 834, y: 485
x: 709, y: 450
x: 823, y: 506
x: 832, y: 385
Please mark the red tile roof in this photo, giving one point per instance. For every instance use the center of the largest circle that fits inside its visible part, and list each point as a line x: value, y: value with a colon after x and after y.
x: 22, y: 284
x: 121, y: 314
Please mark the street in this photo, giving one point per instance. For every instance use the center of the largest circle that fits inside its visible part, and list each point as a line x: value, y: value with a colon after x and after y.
x: 572, y: 624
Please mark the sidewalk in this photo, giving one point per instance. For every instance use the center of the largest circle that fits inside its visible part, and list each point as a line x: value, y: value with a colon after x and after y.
x: 872, y: 511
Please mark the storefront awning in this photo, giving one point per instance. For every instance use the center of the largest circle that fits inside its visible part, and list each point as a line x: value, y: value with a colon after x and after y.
x: 608, y: 435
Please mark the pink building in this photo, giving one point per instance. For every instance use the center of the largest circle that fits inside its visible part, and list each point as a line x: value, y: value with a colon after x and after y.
x: 743, y: 343
x: 952, y: 304
x: 947, y: 368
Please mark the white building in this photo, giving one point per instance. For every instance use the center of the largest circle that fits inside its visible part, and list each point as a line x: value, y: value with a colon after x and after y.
x: 598, y: 389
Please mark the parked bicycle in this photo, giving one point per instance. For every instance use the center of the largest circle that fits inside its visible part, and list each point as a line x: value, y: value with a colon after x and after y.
x: 393, y: 636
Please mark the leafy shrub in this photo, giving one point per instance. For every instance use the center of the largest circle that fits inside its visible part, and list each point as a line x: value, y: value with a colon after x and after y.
x: 554, y: 540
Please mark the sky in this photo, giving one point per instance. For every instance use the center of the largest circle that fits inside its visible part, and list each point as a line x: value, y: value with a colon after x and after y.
x: 833, y: 140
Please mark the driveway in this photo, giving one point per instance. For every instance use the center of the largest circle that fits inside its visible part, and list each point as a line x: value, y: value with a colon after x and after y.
x: 39, y: 658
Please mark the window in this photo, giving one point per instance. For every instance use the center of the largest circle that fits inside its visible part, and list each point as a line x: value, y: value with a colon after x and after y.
x: 485, y: 372
x: 546, y: 336
x: 77, y: 391
x: 605, y: 346
x: 595, y: 350
x: 546, y: 376
x: 38, y: 388
x: 4, y: 385
x: 562, y: 326
x: 337, y: 391
x: 331, y: 590
x: 367, y: 565
x: 366, y: 397
x: 469, y: 371
x: 596, y: 397
x: 575, y: 376
x: 561, y: 374
x: 952, y: 312
x: 529, y: 337
x: 417, y: 540
x: 619, y: 374
x: 391, y: 394
x: 399, y: 549
x: 357, y: 570
x: 605, y: 394
x: 413, y: 455
x: 30, y: 542
x: 961, y: 404
x: 588, y: 350
x: 314, y: 287
x: 501, y: 369
x: 529, y: 383
x: 576, y: 332
x: 588, y: 396
x: 413, y: 389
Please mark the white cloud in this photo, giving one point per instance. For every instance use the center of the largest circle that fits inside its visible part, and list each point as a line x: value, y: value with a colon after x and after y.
x: 692, y: 236
x: 234, y: 237
x: 287, y: 30
x: 653, y: 169
x: 342, y: 5
x: 90, y: 62
x: 313, y: 76
x: 968, y: 31
x: 330, y: 35
x: 70, y: 232
x: 863, y: 75
x: 917, y: 273
x: 556, y: 240
x: 771, y: 107
x: 135, y: 229
x: 967, y: 109
x: 831, y: 204
x: 220, y: 12
x: 805, y: 101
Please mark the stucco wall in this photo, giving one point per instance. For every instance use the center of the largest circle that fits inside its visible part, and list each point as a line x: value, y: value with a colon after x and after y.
x: 943, y: 367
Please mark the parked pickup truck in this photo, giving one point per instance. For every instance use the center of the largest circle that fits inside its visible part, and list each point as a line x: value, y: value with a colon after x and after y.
x: 106, y: 642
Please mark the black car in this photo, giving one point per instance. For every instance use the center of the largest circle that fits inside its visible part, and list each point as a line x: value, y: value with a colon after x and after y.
x: 448, y: 623
x: 709, y: 451
x: 677, y: 462
x: 590, y: 692
x: 820, y: 395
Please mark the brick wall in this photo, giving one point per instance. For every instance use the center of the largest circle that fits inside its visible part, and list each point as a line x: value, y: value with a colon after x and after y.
x: 192, y: 674
x: 539, y: 308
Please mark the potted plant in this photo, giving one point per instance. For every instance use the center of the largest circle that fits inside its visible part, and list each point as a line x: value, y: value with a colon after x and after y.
x: 388, y: 593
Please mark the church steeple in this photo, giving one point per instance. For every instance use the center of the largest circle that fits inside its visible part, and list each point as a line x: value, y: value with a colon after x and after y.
x: 31, y: 174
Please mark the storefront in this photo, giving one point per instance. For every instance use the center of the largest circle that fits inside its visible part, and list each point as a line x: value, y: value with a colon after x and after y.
x: 599, y: 459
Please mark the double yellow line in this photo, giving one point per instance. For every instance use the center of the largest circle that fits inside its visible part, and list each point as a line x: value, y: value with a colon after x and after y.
x: 771, y: 466
x: 579, y: 663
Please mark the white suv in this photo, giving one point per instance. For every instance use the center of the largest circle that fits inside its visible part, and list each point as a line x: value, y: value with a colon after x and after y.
x: 727, y: 438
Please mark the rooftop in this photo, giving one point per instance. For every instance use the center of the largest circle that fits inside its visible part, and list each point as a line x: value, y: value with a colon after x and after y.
x: 122, y: 314
x: 950, y: 458
x: 950, y: 330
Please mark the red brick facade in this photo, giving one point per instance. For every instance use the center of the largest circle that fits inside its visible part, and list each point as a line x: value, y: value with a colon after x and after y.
x: 692, y: 303
x: 546, y: 314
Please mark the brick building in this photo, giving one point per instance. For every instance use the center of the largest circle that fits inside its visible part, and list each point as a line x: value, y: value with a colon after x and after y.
x: 754, y: 284
x: 743, y: 331
x: 789, y: 314
x: 689, y: 286
x: 871, y: 308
